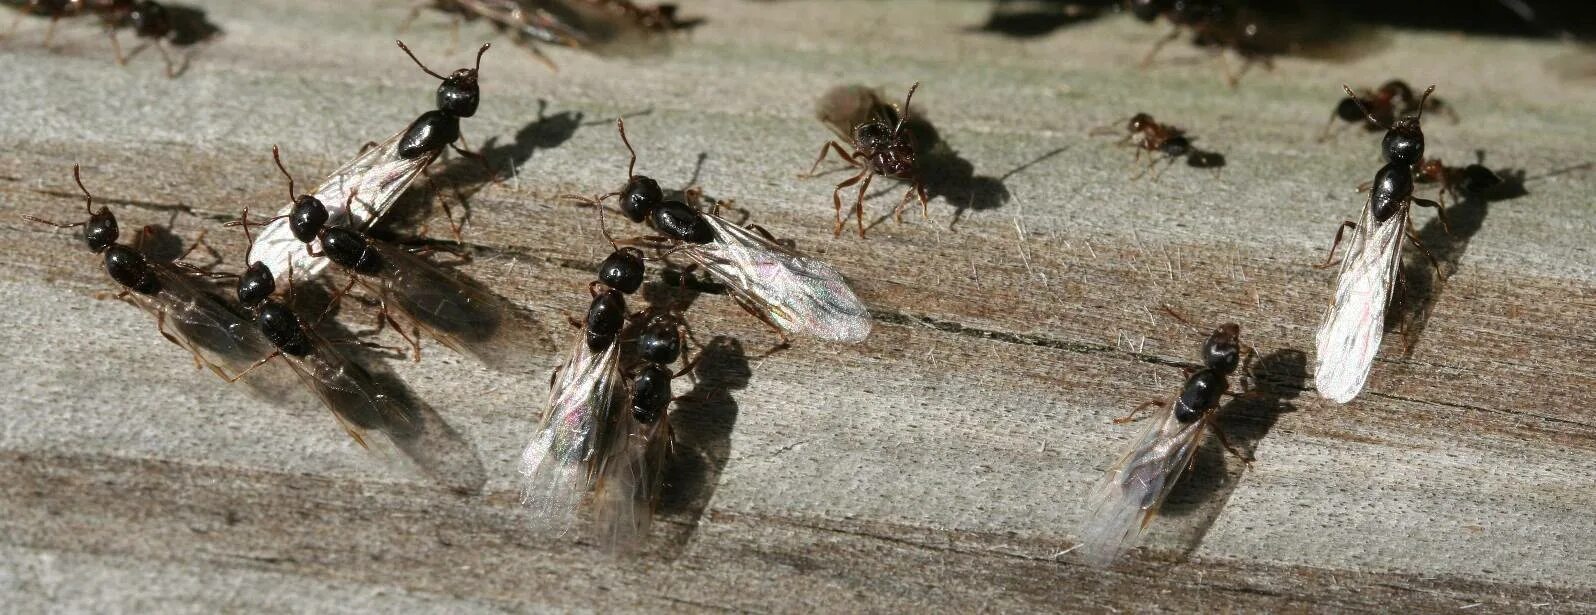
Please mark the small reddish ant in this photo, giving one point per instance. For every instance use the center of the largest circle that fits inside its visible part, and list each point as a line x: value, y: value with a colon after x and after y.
x: 1164, y: 143
x: 880, y: 147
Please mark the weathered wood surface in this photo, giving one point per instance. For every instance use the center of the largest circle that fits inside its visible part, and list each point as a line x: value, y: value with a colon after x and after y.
x: 942, y: 464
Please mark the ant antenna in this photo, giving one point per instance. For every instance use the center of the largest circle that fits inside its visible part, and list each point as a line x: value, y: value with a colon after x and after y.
x: 1422, y: 100
x: 902, y: 117
x: 424, y: 66
x: 620, y: 124
x: 88, y: 199
x: 478, y: 67
x: 1365, y: 109
x: 279, y: 160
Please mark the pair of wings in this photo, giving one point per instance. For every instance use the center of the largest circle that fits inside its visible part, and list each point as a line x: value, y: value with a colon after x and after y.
x: 589, y: 442
x: 799, y: 294
x: 559, y: 464
x: 1131, y: 491
x: 230, y: 344
x: 1353, y: 325
x: 376, y: 178
x: 604, y: 27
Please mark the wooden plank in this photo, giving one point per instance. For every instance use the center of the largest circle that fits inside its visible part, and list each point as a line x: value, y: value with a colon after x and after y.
x: 940, y: 464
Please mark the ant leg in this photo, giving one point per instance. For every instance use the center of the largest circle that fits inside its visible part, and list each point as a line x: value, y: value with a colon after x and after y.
x: 1244, y: 457
x: 367, y: 147
x: 1345, y: 224
x: 49, y: 32
x: 493, y: 174
x: 384, y: 316
x: 761, y: 230
x: 171, y: 67
x: 1165, y: 308
x: 1324, y: 135
x: 116, y: 46
x: 836, y: 199
x: 1147, y: 60
x: 903, y: 203
x: 1131, y: 416
x: 786, y: 342
x: 826, y: 149
x: 688, y: 367
x: 1436, y: 263
x: 336, y: 297
x: 251, y: 368
x: 858, y: 204
x: 160, y: 327
x: 1440, y: 213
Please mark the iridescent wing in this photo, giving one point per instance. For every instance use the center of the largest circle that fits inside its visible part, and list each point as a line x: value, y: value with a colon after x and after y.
x: 456, y: 312
x: 629, y: 479
x: 558, y: 465
x: 377, y: 178
x: 795, y: 292
x: 1129, y: 494
x: 1353, y: 325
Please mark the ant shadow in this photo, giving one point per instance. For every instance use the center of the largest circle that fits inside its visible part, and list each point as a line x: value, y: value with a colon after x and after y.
x: 422, y: 435
x: 1277, y: 379
x: 702, y: 425
x: 1418, y: 284
x: 466, y: 176
x: 1036, y: 18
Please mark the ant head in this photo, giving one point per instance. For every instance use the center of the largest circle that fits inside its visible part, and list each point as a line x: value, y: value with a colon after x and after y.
x: 640, y: 196
x: 1139, y: 122
x: 1404, y: 142
x: 661, y: 339
x: 150, y: 19
x: 308, y: 218
x: 623, y: 270
x: 458, y: 95
x: 100, y: 230
x: 872, y: 136
x: 1147, y: 10
x: 1222, y: 350
x: 256, y: 284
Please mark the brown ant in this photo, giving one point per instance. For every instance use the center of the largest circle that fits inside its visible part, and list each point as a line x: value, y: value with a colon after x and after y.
x: 1472, y: 179
x: 1391, y: 100
x: 879, y: 148
x: 1164, y: 143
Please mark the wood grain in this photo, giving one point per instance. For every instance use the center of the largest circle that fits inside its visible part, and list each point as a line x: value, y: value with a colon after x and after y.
x: 941, y: 464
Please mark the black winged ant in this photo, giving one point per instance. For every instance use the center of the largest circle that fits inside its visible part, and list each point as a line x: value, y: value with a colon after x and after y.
x: 1132, y: 490
x: 878, y: 146
x: 786, y: 290
x: 185, y: 310
x: 458, y: 314
x: 382, y: 172
x: 604, y: 27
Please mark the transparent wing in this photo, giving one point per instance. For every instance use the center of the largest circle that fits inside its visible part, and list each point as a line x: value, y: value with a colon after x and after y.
x: 604, y: 27
x: 797, y: 293
x: 1125, y: 500
x: 629, y: 479
x: 557, y: 465
x: 351, y: 393
x: 1350, y: 334
x: 377, y: 178
x: 846, y: 106
x: 197, y: 319
x: 458, y: 313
